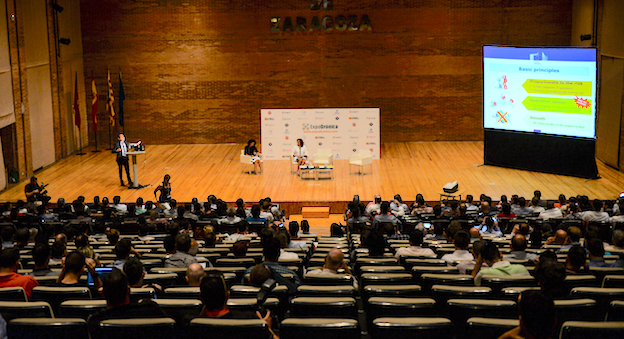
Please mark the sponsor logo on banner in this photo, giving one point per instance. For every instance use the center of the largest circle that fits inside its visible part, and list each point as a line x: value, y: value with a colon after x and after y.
x: 354, y: 137
x: 370, y: 137
x: 269, y: 119
x: 371, y: 143
x: 337, y: 113
x: 285, y: 150
x: 269, y: 112
x: 354, y: 112
x: 286, y: 125
x: 354, y: 118
x: 320, y: 144
x: 337, y: 137
x: 337, y: 156
x: 336, y: 143
x: 303, y: 113
x: 321, y: 137
x: 269, y: 125
x: 371, y: 124
x: 371, y: 118
x: 286, y: 131
x: 270, y: 144
x: 370, y: 131
x: 337, y: 118
x: 286, y: 137
x: 285, y: 119
x: 371, y: 150
x: 306, y: 127
x: 286, y: 112
x: 319, y: 112
x: 354, y: 150
x: 354, y: 124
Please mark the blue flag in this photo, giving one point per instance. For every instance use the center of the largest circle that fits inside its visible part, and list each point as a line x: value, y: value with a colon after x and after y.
x: 122, y: 97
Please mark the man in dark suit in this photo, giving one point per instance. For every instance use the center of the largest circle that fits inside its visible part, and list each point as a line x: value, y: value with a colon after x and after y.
x: 121, y: 148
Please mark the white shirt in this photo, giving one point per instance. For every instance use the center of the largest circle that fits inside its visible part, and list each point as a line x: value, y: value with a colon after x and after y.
x: 300, y: 151
x: 537, y: 209
x: 287, y: 255
x: 413, y: 250
x: 590, y: 216
x: 458, y: 255
x: 551, y: 213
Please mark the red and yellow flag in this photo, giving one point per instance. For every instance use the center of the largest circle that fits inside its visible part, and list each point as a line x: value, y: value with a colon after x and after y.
x: 110, y: 101
x: 94, y: 103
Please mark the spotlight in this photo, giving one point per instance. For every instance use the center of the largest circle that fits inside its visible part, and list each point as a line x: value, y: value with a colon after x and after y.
x: 64, y: 41
x: 586, y: 37
x: 57, y: 7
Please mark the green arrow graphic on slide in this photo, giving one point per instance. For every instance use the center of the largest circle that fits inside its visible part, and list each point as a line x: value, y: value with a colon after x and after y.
x: 558, y: 105
x: 558, y: 87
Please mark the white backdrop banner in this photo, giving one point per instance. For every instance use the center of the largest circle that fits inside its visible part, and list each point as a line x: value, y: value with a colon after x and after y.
x: 345, y: 131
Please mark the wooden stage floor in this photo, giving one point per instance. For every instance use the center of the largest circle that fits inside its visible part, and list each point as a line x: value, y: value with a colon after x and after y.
x: 405, y: 168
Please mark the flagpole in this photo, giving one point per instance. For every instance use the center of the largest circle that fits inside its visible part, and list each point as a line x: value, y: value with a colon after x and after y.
x: 110, y: 145
x: 77, y: 119
x: 80, y: 152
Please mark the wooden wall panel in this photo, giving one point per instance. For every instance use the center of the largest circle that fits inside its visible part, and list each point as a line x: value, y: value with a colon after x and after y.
x: 199, y: 71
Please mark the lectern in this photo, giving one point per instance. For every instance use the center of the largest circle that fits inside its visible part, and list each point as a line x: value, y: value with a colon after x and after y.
x: 135, y: 169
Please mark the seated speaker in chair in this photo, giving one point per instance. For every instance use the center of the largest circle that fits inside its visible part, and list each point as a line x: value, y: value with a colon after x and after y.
x: 300, y: 153
x: 251, y: 149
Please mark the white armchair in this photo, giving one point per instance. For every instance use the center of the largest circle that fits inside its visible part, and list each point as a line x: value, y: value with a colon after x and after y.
x: 323, y: 157
x: 361, y: 159
x: 246, y: 159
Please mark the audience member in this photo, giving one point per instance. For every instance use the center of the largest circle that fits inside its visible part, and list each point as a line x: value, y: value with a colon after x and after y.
x: 194, y: 275
x: 550, y: 212
x: 518, y: 246
x: 550, y: 275
x: 334, y: 264
x: 597, y: 215
x: 271, y: 251
x: 573, y: 238
x: 461, y: 241
x: 537, y: 317
x: 576, y: 261
x: 74, y: 266
x: 117, y: 293
x: 284, y: 239
x: 415, y: 249
x: 558, y: 239
x: 464, y: 266
x: 497, y: 267
x: 181, y: 258
x: 41, y: 256
x: 9, y: 263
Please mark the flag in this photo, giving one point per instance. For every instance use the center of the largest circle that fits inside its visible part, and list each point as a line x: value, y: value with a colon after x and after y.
x: 110, y: 101
x: 76, y: 107
x: 94, y: 103
x: 122, y: 97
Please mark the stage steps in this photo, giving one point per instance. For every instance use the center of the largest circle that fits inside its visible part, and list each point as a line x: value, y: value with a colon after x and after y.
x: 315, y: 212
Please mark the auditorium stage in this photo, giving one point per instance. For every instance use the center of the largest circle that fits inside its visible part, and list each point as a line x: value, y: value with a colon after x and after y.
x: 404, y: 168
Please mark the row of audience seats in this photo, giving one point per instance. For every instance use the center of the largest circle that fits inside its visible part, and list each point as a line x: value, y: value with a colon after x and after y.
x: 397, y: 297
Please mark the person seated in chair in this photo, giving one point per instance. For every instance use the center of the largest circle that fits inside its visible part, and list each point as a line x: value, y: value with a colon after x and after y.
x: 181, y: 258
x: 75, y: 264
x: 385, y: 217
x: 194, y: 275
x: 9, y: 263
x: 497, y: 266
x: 334, y: 264
x: 41, y: 255
x: 518, y: 246
x: 117, y: 293
x: 461, y: 239
x: 300, y: 154
x: 537, y: 317
x: 252, y: 151
x: 415, y: 249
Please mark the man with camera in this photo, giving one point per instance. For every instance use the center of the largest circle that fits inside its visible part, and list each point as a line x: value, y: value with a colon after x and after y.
x: 38, y: 192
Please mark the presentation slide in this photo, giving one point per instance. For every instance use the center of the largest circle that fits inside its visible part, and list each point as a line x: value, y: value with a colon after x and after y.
x: 540, y: 89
